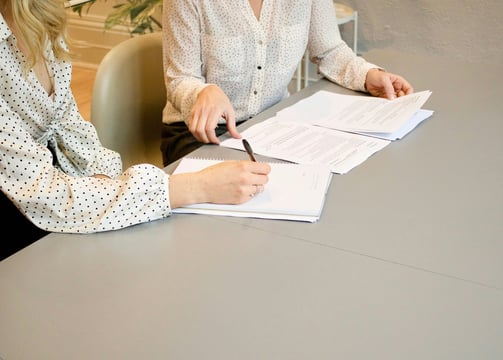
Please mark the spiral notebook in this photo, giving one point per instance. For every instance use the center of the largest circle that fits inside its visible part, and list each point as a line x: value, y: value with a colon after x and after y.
x: 294, y: 192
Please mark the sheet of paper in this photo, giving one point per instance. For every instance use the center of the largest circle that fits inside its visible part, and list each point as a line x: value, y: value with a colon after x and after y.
x: 307, y: 144
x: 294, y: 192
x: 355, y: 113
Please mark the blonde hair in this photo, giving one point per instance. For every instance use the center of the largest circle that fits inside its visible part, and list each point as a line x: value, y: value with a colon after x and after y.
x: 42, y: 21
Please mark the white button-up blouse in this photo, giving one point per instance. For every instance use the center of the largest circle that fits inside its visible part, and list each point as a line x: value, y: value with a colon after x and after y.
x: 253, y: 61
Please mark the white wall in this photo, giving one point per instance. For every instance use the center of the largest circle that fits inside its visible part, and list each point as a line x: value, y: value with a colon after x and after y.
x: 465, y: 30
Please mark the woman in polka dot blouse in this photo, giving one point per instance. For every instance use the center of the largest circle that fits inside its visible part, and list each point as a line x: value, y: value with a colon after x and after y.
x: 55, y: 176
x: 228, y: 60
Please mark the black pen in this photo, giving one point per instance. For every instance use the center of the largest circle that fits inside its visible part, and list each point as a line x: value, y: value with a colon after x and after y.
x: 249, y: 150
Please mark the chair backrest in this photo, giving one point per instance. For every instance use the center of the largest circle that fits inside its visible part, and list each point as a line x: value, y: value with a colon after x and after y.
x: 128, y: 97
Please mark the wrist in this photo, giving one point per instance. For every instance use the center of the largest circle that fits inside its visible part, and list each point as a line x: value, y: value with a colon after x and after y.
x: 369, y: 74
x: 185, y: 189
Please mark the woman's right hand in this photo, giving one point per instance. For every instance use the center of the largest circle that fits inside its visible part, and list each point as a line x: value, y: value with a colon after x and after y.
x: 211, y: 105
x: 228, y: 182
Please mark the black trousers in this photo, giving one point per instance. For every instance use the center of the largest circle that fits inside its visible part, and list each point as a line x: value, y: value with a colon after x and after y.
x: 22, y: 232
x: 178, y: 141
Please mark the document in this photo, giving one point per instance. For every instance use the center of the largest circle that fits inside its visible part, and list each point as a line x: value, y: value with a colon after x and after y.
x: 340, y: 131
x: 366, y: 115
x: 294, y: 192
x: 308, y: 144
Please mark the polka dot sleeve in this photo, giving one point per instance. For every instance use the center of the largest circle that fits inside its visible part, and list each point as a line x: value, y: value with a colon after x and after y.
x: 59, y: 202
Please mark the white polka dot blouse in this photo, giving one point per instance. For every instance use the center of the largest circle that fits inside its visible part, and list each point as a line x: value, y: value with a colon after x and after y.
x: 49, y: 154
x: 252, y: 60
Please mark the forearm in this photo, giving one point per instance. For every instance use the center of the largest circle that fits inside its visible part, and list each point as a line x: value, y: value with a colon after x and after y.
x: 182, y: 55
x: 343, y: 67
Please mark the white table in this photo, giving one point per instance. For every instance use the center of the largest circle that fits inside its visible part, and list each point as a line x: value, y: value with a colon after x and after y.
x: 405, y: 263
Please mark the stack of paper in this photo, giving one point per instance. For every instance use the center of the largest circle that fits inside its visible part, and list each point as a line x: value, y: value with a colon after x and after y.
x: 294, y: 192
x: 339, y: 131
x: 366, y: 115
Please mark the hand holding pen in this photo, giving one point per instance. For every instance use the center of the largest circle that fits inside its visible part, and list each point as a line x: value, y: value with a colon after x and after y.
x: 258, y: 188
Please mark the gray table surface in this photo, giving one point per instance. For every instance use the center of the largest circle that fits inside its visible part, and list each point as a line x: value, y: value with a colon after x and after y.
x: 405, y: 263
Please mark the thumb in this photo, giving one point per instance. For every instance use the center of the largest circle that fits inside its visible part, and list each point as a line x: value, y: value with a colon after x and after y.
x: 233, y: 131
x: 389, y: 90
x: 231, y: 127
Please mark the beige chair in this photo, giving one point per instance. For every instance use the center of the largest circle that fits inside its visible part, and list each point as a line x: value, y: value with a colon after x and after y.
x: 128, y: 97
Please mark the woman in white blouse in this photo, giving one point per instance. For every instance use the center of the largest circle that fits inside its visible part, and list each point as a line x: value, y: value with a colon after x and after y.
x: 55, y: 174
x: 228, y: 60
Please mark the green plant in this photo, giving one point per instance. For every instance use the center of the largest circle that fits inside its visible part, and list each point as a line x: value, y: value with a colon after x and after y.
x: 137, y: 15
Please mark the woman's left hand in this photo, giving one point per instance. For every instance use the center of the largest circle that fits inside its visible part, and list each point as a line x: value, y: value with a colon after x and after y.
x: 387, y: 85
